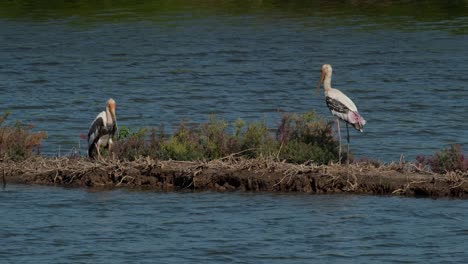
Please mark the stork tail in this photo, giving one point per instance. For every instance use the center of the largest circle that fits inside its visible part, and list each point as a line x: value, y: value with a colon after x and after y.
x: 356, y: 120
x: 91, y: 151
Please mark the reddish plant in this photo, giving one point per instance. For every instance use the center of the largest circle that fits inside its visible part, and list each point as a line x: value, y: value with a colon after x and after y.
x: 446, y: 160
x: 18, y: 142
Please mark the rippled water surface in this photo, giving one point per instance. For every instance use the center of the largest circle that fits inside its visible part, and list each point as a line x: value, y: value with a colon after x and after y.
x: 54, y: 225
x: 405, y: 66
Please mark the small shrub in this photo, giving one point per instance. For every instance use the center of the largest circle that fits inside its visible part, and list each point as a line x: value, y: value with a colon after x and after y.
x: 129, y: 145
x: 306, y: 138
x: 449, y: 159
x: 421, y: 162
x: 257, y: 141
x: 215, y: 139
x: 183, y: 145
x: 18, y: 142
x: 157, y: 138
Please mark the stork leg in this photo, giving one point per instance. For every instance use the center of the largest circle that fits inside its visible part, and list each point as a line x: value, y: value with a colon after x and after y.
x: 339, y: 139
x: 98, y: 152
x: 347, y: 151
x: 109, y: 146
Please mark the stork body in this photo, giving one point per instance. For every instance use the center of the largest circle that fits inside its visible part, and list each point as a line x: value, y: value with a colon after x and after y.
x: 340, y: 105
x: 102, y: 130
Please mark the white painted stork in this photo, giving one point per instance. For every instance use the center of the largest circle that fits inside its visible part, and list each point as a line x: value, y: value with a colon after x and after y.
x: 102, y: 130
x: 340, y: 105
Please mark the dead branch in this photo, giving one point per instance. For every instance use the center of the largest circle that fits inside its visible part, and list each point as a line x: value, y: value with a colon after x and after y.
x: 123, y: 178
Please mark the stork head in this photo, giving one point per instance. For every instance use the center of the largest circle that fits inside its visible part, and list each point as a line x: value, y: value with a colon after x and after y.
x: 326, y: 71
x: 111, y: 107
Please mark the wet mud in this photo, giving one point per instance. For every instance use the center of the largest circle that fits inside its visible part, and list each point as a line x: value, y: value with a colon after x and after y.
x: 236, y: 174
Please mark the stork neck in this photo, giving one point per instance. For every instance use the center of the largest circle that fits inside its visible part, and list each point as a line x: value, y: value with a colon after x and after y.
x: 327, y: 82
x: 108, y: 116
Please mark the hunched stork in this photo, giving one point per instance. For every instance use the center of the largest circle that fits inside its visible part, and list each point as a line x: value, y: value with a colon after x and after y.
x: 102, y: 130
x: 340, y: 105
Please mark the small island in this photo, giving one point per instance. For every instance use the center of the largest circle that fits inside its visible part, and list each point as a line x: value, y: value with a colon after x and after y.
x: 299, y: 156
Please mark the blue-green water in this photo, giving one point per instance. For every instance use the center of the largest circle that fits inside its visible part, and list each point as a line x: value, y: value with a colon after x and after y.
x: 55, y: 225
x: 404, y: 65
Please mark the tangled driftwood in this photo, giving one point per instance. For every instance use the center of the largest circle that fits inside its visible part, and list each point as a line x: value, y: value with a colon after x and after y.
x: 232, y: 173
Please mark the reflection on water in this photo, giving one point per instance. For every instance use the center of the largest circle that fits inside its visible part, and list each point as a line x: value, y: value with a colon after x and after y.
x: 166, y: 61
x: 51, y: 225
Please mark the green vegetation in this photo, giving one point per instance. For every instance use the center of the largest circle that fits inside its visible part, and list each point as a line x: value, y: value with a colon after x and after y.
x: 306, y: 137
x: 394, y: 14
x: 18, y: 142
x: 298, y: 139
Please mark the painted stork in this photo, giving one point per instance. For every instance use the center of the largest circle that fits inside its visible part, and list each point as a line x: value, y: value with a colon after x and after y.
x: 340, y: 105
x: 102, y: 130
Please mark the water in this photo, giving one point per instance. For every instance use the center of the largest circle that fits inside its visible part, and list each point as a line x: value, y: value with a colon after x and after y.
x: 55, y: 225
x: 167, y: 62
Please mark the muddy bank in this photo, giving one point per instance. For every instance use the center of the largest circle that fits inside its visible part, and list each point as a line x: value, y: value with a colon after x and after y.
x: 234, y: 174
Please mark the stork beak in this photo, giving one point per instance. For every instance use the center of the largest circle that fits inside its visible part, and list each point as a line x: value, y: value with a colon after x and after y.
x: 117, y: 128
x: 112, y: 111
x: 320, y: 83
x: 114, y: 117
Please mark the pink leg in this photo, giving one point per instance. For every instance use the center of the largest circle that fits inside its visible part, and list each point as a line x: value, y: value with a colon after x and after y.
x: 98, y: 151
x: 339, y: 138
x: 347, y: 152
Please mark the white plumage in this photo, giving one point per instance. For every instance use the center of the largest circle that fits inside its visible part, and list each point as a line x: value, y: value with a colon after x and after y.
x: 340, y: 105
x: 102, y: 130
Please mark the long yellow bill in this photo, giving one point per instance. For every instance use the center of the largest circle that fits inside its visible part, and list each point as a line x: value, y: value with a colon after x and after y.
x: 115, y: 121
x: 320, y: 83
x: 117, y: 128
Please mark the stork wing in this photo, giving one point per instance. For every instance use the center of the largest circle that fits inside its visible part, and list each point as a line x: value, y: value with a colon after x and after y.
x: 96, y: 130
x: 336, y: 105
